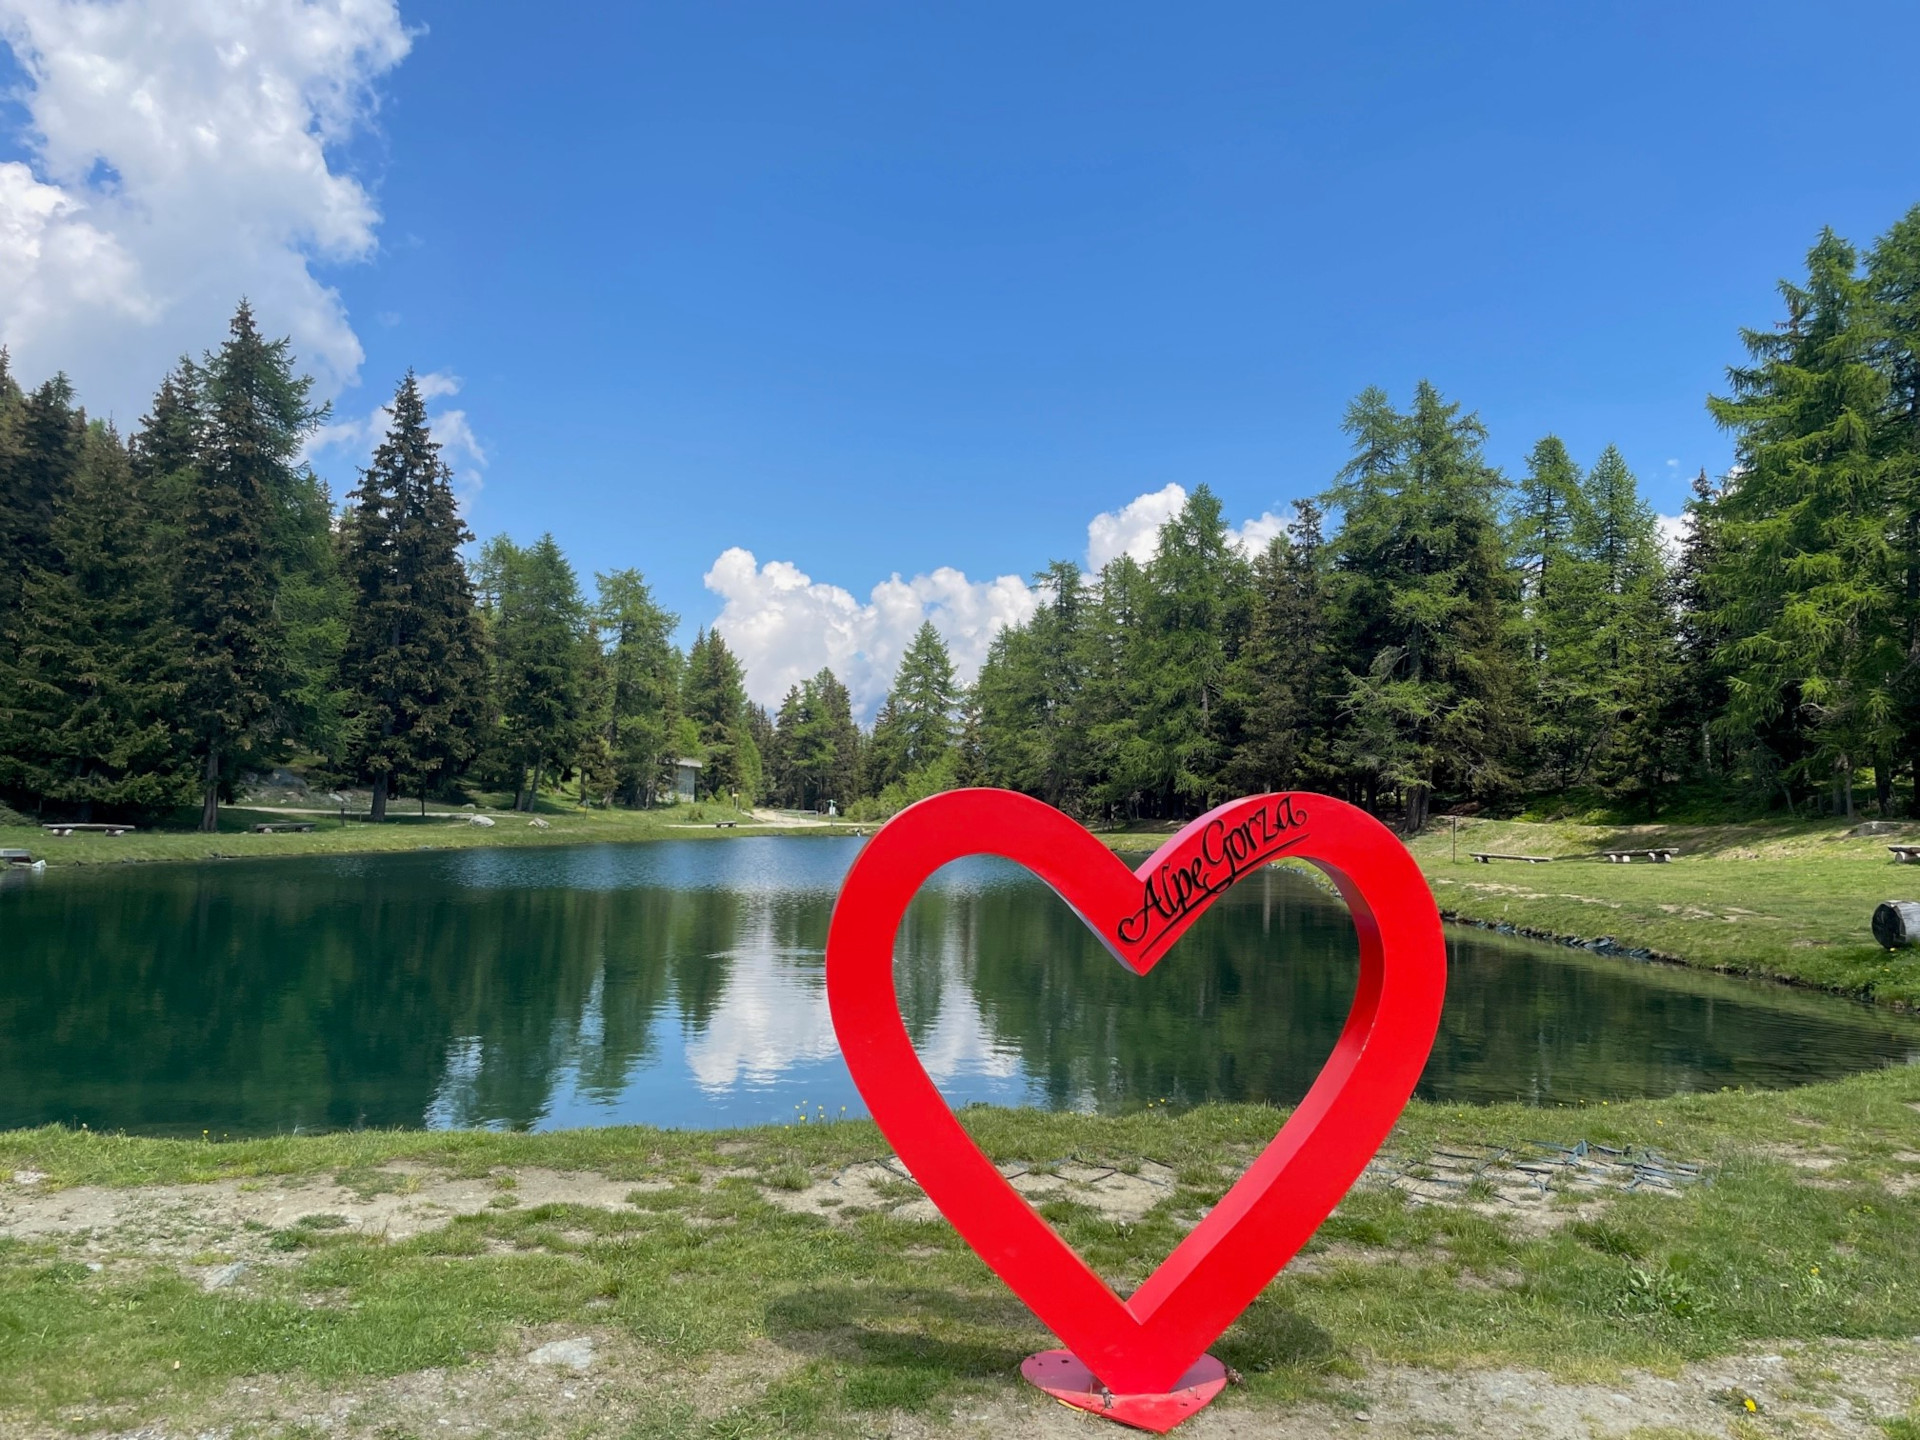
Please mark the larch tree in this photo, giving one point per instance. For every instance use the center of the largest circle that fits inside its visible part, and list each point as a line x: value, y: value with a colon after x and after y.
x: 1893, y: 293
x: 1809, y: 579
x: 538, y: 629
x: 714, y: 698
x: 643, y: 683
x: 925, y: 699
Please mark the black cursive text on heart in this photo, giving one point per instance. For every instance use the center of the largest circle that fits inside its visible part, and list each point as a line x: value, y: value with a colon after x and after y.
x: 1225, y: 853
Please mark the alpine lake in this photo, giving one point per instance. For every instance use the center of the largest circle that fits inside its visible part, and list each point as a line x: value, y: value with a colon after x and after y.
x: 680, y: 983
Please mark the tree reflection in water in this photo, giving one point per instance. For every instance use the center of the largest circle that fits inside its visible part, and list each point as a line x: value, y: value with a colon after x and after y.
x: 681, y: 984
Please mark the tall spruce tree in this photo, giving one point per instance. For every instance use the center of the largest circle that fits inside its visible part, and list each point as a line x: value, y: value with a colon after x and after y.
x: 42, y: 433
x: 247, y: 519
x: 412, y: 663
x: 92, y: 685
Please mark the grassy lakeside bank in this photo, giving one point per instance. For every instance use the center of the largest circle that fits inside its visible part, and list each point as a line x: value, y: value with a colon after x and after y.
x: 563, y: 825
x: 784, y: 1281
x: 1792, y: 901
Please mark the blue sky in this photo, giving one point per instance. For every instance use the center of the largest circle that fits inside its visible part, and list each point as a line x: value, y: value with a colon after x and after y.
x: 876, y: 290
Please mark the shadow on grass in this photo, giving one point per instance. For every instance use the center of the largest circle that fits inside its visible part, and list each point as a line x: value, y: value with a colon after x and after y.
x: 911, y: 1348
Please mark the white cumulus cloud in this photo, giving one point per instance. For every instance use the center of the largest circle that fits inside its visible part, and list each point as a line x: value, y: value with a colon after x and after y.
x: 1256, y: 534
x: 177, y: 159
x: 1673, y: 532
x: 784, y: 626
x: 1133, y: 529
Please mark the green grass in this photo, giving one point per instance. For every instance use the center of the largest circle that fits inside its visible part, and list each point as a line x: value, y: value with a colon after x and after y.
x: 1790, y: 900
x: 566, y: 824
x: 884, y: 1315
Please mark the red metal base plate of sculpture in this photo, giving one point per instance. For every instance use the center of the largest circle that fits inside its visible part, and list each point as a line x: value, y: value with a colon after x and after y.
x: 1071, y: 1383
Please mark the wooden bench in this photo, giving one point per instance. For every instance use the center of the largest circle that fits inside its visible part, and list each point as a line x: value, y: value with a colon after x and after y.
x: 1487, y: 857
x: 16, y: 857
x: 1904, y: 854
x: 63, y: 829
x: 1625, y: 857
x: 274, y: 827
x: 726, y: 824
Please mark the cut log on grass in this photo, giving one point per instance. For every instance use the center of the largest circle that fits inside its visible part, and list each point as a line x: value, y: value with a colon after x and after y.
x: 1896, y: 923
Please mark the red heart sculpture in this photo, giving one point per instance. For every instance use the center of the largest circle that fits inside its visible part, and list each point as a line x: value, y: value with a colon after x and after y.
x: 1145, y: 1343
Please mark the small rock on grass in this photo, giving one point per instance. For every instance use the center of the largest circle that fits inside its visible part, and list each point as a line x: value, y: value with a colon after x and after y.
x: 224, y: 1276
x: 575, y: 1354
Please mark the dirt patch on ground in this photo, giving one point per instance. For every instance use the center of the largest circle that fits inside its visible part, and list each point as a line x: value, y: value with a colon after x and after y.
x: 239, y: 1215
x: 886, y: 1186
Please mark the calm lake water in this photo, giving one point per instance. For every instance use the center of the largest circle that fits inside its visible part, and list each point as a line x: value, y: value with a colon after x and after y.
x: 680, y: 983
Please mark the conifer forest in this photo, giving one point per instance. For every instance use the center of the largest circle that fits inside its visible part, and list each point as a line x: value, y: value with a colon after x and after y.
x: 187, y: 606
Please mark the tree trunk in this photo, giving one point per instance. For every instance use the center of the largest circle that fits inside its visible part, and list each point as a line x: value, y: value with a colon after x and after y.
x: 210, y: 798
x: 520, y: 791
x: 377, y: 808
x: 1896, y: 924
x: 1846, y: 783
x: 1883, y: 785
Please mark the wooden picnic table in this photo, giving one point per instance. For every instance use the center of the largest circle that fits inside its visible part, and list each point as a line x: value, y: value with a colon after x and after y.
x: 63, y: 828
x: 274, y: 827
x: 1625, y: 857
x: 1487, y: 857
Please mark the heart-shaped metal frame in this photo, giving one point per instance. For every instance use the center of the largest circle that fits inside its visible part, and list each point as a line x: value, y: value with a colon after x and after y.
x: 1146, y: 1342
